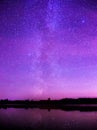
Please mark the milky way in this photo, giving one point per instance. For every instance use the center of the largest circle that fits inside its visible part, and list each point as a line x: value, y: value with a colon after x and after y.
x: 48, y: 48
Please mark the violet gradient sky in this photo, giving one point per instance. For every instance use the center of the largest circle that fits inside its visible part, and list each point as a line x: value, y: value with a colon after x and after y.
x: 48, y: 48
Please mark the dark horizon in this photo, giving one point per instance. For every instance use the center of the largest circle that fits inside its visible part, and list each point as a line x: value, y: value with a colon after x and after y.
x: 72, y: 100
x: 66, y: 104
x: 48, y: 99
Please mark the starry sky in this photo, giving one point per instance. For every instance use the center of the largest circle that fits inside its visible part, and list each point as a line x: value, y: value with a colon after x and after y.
x: 48, y: 48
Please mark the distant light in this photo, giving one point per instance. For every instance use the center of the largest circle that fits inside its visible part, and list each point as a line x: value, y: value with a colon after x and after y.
x: 83, y: 21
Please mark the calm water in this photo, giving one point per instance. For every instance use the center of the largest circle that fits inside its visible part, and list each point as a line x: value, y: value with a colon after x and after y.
x: 39, y: 119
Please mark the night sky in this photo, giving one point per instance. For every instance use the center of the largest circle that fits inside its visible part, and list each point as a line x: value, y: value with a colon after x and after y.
x: 48, y: 48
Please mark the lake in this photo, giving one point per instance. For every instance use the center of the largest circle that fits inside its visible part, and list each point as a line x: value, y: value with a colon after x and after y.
x: 43, y: 119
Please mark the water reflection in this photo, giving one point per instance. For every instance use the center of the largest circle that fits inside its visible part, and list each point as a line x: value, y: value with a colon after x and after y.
x: 39, y: 119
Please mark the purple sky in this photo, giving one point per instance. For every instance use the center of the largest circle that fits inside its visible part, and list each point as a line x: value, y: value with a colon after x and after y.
x: 48, y: 48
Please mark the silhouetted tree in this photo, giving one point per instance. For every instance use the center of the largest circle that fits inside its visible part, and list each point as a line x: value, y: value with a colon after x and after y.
x: 49, y: 99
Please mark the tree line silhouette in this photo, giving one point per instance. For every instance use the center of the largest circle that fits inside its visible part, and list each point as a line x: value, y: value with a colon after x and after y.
x: 64, y: 101
x: 81, y: 104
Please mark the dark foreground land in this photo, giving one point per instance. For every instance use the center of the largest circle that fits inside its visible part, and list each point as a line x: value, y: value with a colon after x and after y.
x: 81, y: 104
